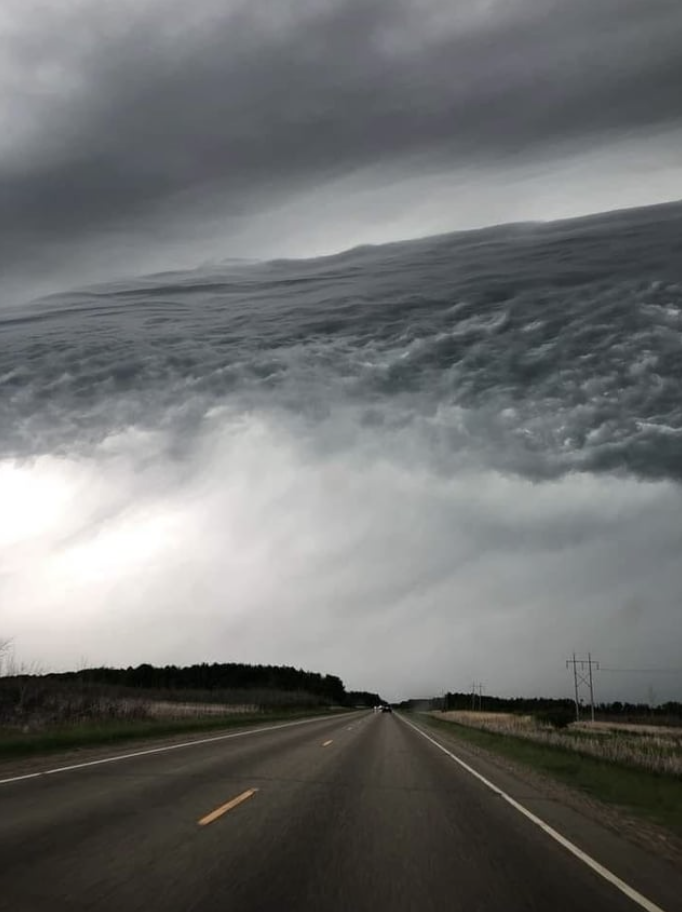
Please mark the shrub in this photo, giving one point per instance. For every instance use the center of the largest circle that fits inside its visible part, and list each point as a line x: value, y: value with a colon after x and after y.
x: 555, y: 718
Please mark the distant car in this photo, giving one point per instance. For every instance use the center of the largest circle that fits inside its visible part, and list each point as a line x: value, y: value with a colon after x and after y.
x: 386, y: 708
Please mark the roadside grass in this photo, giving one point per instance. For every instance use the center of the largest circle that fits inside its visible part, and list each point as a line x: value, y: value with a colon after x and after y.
x: 650, y: 795
x: 653, y: 749
x: 15, y: 745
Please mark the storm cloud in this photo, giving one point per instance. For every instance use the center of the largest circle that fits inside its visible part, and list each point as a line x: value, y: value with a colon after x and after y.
x: 138, y: 134
x: 413, y: 465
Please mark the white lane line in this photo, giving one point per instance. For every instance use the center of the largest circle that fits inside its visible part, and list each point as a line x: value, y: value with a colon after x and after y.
x: 161, y: 750
x: 612, y: 878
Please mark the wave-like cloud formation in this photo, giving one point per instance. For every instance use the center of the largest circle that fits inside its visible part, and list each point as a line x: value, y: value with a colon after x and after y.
x: 542, y: 349
x: 467, y: 448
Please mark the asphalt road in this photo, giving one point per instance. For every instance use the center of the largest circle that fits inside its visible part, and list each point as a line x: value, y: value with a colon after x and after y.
x: 345, y: 814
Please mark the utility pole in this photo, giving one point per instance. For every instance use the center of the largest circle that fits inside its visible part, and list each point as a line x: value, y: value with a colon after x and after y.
x: 583, y: 677
x: 589, y: 663
x: 575, y: 685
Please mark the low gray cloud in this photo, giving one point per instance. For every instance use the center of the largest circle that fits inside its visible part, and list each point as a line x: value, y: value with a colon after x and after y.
x: 162, y: 122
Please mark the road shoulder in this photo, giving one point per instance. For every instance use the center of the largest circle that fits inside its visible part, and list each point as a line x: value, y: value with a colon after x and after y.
x: 641, y: 853
x: 40, y: 762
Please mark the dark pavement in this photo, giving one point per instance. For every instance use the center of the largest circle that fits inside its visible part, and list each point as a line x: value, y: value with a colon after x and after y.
x: 350, y: 813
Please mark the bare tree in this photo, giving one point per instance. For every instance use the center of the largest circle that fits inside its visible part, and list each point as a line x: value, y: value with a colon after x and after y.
x: 5, y: 652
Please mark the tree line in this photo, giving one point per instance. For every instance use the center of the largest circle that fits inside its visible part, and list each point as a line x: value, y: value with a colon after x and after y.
x: 221, y: 676
x: 539, y: 705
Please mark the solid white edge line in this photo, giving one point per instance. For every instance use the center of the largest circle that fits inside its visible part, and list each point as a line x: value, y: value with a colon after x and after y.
x: 612, y: 878
x: 161, y: 750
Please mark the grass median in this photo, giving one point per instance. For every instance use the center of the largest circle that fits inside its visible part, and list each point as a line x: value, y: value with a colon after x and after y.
x: 652, y: 796
x: 92, y: 734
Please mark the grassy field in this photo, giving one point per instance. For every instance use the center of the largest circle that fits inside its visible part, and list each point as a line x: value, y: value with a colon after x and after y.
x: 653, y: 796
x: 15, y: 744
x: 657, y: 749
x: 39, y: 716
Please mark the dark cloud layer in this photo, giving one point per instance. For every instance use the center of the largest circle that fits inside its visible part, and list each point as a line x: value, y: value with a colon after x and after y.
x: 552, y: 348
x: 466, y: 448
x: 152, y: 119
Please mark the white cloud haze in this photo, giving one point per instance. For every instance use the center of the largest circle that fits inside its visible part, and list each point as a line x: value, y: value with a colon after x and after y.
x: 338, y: 551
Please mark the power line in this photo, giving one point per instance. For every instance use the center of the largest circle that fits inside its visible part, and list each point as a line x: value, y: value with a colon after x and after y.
x: 672, y: 671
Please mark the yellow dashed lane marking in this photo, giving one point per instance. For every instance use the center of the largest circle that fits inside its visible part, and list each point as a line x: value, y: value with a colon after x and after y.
x: 327, y: 743
x: 224, y: 808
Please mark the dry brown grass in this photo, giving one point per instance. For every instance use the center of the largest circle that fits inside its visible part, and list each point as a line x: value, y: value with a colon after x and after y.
x: 31, y: 704
x: 167, y: 709
x: 654, y: 748
x: 633, y: 728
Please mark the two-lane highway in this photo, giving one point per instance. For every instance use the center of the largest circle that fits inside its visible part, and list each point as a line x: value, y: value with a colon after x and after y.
x: 358, y: 812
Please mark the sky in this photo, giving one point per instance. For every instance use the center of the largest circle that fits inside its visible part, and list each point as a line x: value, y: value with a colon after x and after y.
x: 141, y: 136
x: 144, y: 136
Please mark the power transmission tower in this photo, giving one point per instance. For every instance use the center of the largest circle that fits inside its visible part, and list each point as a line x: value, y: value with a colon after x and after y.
x: 474, y: 695
x: 582, y: 676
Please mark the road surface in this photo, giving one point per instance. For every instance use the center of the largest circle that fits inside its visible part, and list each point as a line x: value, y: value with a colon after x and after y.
x: 343, y: 814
